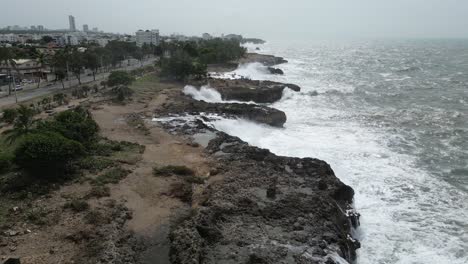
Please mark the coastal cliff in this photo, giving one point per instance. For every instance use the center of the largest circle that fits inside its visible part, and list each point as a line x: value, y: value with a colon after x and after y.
x: 263, y: 208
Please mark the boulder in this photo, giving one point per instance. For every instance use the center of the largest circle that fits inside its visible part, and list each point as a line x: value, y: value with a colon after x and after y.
x: 12, y: 260
x: 275, y: 71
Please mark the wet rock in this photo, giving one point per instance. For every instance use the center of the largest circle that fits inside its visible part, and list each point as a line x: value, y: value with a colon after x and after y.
x: 236, y: 215
x: 12, y: 260
x: 11, y: 233
x: 275, y: 71
x: 250, y: 90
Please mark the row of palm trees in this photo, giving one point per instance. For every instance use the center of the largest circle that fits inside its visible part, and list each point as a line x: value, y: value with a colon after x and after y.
x: 71, y: 61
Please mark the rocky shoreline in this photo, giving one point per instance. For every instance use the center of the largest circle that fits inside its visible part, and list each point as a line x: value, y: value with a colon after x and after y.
x: 265, y: 208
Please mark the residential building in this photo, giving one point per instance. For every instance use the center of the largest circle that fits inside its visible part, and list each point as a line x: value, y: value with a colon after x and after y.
x: 206, y: 36
x: 233, y: 37
x: 8, y: 38
x: 147, y: 37
x: 95, y: 29
x: 85, y: 28
x: 71, y: 21
x: 26, y: 68
x: 71, y: 39
x: 102, y: 42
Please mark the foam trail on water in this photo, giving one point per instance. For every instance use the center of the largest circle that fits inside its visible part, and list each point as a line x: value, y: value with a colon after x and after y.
x: 253, y: 70
x: 205, y: 93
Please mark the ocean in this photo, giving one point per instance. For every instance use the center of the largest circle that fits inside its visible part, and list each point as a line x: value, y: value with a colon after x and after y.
x: 391, y: 118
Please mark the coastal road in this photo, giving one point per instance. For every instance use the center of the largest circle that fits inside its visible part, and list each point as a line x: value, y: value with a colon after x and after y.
x: 32, y: 91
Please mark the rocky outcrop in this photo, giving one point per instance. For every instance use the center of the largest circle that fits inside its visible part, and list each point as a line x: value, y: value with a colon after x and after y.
x: 246, y: 90
x: 275, y: 71
x: 257, y: 113
x: 267, y: 60
x: 268, y: 209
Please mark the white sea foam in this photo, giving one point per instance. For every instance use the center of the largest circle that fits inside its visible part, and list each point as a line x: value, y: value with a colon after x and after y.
x: 205, y: 93
x: 408, y: 215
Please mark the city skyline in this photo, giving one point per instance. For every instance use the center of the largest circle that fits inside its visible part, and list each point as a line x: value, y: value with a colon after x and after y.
x: 295, y: 20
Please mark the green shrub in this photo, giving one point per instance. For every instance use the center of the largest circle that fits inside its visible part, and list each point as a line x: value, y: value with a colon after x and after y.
x: 173, y: 170
x: 46, y: 154
x: 9, y: 115
x: 99, y: 192
x: 73, y: 124
x: 120, y: 78
x: 113, y: 176
x: 6, y: 162
x: 77, y: 205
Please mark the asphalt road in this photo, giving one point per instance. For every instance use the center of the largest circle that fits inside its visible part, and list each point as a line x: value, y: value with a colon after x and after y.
x: 31, y: 91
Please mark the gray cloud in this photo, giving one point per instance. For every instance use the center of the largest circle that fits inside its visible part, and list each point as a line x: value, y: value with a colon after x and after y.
x: 272, y: 19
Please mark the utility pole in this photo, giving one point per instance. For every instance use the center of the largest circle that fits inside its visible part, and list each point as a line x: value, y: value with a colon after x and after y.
x: 68, y: 76
x: 14, y: 87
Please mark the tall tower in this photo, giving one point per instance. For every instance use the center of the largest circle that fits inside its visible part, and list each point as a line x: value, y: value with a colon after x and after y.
x: 85, y: 28
x: 71, y: 20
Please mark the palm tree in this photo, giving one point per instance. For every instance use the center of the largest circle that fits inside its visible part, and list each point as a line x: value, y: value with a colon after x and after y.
x: 7, y: 58
x: 22, y: 125
x: 40, y: 60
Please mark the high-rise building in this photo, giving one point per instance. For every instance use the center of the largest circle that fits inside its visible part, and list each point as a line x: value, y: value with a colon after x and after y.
x: 85, y: 28
x: 71, y: 20
x: 95, y: 29
x: 147, y: 37
x: 33, y: 28
x: 40, y: 27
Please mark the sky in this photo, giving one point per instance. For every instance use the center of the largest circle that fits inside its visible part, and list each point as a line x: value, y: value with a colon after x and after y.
x: 268, y: 19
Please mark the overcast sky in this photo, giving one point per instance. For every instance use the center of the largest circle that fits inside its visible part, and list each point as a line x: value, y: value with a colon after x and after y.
x: 270, y: 19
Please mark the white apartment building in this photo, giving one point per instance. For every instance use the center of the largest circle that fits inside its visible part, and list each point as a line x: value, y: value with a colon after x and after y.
x: 147, y: 37
x: 8, y: 38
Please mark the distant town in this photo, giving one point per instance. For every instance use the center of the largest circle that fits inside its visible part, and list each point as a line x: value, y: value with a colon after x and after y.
x: 34, y: 34
x: 36, y: 54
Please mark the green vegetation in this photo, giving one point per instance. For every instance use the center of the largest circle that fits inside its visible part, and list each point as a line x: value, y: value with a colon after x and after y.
x: 22, y: 124
x: 47, y: 154
x: 120, y: 78
x: 76, y: 125
x: 9, y: 115
x: 99, y: 191
x: 94, y: 164
x: 173, y: 170
x: 6, y: 162
x: 184, y: 60
x: 113, y: 176
x: 77, y: 205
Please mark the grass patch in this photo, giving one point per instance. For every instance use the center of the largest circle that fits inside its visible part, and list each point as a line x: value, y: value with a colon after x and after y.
x: 37, y: 216
x: 173, y: 170
x: 99, y: 192
x: 146, y: 83
x: 77, y: 205
x: 95, y: 164
x: 113, y: 176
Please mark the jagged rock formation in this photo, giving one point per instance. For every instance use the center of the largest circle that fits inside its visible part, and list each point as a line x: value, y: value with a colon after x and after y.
x: 257, y: 113
x: 275, y: 71
x: 268, y: 209
x: 249, y: 90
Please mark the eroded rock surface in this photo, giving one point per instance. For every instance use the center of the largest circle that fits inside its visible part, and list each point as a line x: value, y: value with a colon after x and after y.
x: 257, y: 113
x: 249, y: 90
x: 268, y: 209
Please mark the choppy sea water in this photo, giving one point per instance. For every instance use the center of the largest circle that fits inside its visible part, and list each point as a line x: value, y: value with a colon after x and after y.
x: 391, y: 117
